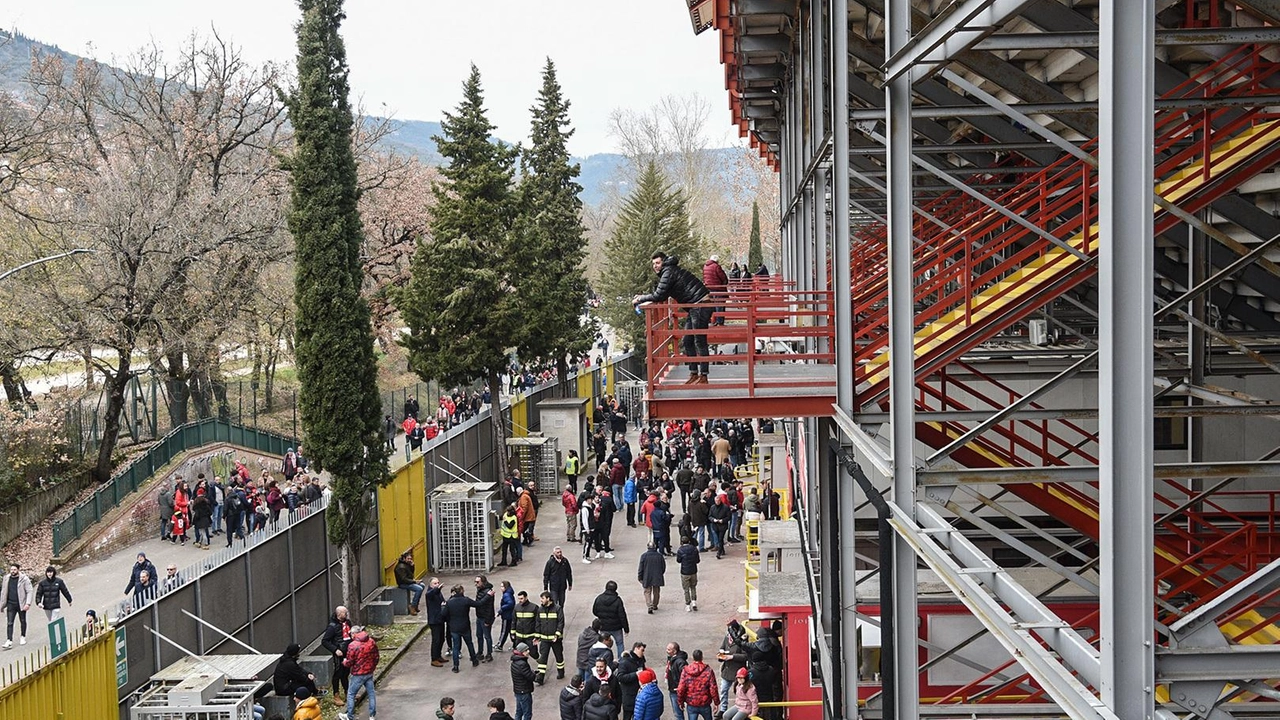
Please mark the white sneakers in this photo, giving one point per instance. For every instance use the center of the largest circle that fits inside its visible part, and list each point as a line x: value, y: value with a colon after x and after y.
x: 22, y: 640
x: 687, y: 608
x: 694, y: 604
x: 343, y: 716
x: 599, y: 554
x: 7, y: 644
x: 586, y: 561
x: 609, y: 555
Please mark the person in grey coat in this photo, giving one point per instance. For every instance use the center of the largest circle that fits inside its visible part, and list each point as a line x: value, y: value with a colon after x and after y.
x: 166, y: 509
x: 652, y: 574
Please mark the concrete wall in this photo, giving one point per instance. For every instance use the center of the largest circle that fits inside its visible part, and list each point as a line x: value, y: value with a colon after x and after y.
x: 15, y: 519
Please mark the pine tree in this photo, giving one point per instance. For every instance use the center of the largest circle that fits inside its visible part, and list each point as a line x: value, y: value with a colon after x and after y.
x: 339, y: 403
x: 654, y: 217
x: 552, y: 237
x: 755, y: 253
x: 461, y: 304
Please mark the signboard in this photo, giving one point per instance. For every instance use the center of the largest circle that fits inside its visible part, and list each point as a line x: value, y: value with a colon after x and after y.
x: 57, y: 638
x: 122, y: 659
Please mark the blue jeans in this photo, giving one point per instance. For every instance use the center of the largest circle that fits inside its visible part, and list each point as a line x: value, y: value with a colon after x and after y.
x: 675, y: 705
x: 618, y: 642
x: 484, y: 638
x: 733, y: 524
x: 415, y: 592
x: 716, y: 540
x: 456, y: 640
x: 367, y: 682
x: 524, y: 706
x: 703, y: 712
x: 217, y: 516
x: 726, y: 688
x: 617, y: 497
x: 701, y: 533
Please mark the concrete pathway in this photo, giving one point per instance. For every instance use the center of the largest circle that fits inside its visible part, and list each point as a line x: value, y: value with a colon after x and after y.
x: 413, y: 689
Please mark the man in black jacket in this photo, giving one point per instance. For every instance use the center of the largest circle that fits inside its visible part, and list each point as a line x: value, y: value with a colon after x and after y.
x: 681, y: 285
x: 629, y: 667
x: 336, y: 638
x: 484, y: 618
x: 612, y: 613
x: 677, y: 659
x: 557, y: 574
x: 549, y: 627
x: 457, y: 612
x: 522, y: 679
x: 524, y: 628
x: 289, y: 675
x: 435, y: 620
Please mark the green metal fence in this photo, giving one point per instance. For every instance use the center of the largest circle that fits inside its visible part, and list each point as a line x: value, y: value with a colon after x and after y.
x: 179, y: 440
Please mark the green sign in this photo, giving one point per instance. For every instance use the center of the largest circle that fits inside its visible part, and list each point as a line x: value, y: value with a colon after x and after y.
x: 57, y: 638
x: 122, y: 659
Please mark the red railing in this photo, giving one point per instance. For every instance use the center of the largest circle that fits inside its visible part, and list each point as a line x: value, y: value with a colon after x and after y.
x: 955, y: 269
x: 762, y: 323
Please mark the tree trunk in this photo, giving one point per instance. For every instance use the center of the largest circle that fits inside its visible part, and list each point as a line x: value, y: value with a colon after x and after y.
x: 269, y: 373
x: 87, y: 354
x: 175, y: 383
x: 499, y: 424
x: 349, y: 555
x: 14, y: 387
x: 115, y: 387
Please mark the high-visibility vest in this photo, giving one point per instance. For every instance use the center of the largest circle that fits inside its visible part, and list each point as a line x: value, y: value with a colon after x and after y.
x: 571, y: 466
x: 510, y: 527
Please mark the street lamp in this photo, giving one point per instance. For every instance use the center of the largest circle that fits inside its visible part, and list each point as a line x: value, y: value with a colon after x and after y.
x: 42, y: 260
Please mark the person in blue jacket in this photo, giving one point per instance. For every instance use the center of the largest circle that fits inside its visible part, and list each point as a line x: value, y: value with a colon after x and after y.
x: 506, y: 612
x: 629, y: 498
x: 649, y: 700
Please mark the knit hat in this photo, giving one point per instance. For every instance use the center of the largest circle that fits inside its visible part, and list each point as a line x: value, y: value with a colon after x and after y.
x: 742, y: 672
x: 302, y: 693
x: 294, y: 650
x: 522, y: 648
x: 646, y: 676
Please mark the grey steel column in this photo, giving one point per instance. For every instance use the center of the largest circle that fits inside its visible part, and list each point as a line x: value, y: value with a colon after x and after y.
x: 1126, y: 106
x: 845, y: 388
x: 902, y: 359
x: 821, y: 268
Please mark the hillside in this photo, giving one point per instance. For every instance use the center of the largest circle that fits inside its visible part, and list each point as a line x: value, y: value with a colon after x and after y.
x: 601, y: 173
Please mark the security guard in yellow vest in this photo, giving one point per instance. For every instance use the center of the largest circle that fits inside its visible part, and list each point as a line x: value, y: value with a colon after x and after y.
x: 509, y: 531
x: 572, y: 468
x: 525, y: 627
x: 550, y: 630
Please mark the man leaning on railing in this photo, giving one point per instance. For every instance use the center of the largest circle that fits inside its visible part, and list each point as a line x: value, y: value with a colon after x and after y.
x: 681, y: 285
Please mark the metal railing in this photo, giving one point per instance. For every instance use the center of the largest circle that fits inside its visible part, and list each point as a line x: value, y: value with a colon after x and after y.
x: 207, y: 563
x: 179, y: 440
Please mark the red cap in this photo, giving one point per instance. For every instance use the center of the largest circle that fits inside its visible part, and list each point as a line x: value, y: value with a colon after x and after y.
x: 742, y: 672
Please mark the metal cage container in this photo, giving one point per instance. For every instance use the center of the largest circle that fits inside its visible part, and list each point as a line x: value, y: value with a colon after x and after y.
x: 464, y: 521
x: 538, y: 459
x: 199, y: 697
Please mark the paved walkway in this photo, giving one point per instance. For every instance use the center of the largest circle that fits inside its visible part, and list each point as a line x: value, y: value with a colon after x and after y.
x: 414, y: 688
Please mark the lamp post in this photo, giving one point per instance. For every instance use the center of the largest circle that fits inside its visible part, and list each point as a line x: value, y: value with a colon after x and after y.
x: 40, y: 261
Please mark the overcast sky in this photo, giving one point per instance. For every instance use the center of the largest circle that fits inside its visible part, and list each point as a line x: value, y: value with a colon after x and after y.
x: 410, y: 57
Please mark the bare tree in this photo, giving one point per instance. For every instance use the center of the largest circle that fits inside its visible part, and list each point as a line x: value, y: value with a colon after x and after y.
x: 166, y: 173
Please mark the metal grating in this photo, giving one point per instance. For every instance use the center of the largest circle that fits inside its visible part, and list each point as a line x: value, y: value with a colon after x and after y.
x: 463, y: 517
x: 538, y: 460
x: 631, y: 394
x: 234, y: 701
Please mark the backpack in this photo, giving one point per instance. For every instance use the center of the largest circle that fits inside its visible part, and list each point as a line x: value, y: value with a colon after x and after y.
x: 235, y: 502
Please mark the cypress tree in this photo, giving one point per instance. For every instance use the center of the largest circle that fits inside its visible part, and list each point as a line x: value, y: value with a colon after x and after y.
x: 553, y: 239
x: 338, y: 401
x: 755, y: 253
x: 654, y: 217
x: 461, y: 304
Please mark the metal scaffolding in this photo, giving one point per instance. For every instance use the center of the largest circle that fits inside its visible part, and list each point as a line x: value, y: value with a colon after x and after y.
x: 954, y: 170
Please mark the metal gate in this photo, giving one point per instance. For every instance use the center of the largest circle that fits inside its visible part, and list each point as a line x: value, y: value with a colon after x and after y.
x: 463, y: 518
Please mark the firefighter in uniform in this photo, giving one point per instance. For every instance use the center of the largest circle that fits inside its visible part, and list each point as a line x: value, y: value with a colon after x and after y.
x: 550, y: 630
x: 525, y: 627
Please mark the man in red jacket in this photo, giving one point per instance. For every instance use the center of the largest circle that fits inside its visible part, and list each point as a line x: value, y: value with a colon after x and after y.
x: 697, y: 692
x: 362, y: 660
x: 714, y: 277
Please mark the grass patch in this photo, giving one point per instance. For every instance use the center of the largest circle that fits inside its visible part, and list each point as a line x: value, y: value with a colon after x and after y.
x: 390, y: 638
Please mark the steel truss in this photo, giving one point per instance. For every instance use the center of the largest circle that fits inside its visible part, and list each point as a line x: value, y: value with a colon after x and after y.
x: 946, y: 129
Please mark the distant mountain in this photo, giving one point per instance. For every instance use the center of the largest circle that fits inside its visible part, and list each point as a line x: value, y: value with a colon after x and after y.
x: 602, y: 173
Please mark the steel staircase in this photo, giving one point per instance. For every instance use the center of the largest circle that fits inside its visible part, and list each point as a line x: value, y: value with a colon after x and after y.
x: 985, y: 271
